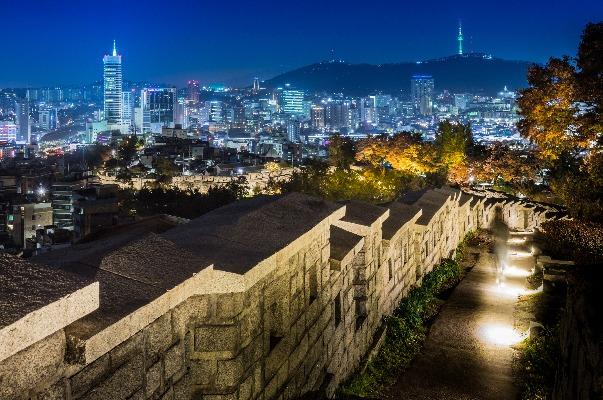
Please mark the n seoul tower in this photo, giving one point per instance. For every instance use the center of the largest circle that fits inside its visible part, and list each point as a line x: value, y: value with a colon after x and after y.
x: 460, y: 39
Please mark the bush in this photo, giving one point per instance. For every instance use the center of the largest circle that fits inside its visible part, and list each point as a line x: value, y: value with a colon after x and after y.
x: 373, y: 185
x: 181, y: 203
x: 535, y: 366
x: 578, y: 240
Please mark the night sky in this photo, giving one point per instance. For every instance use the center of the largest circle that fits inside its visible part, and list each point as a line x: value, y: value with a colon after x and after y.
x: 62, y: 42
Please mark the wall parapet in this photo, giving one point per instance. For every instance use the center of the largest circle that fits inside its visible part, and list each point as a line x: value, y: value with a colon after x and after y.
x: 259, y: 299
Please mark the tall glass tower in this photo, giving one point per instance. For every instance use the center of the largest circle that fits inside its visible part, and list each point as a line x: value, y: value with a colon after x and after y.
x: 421, y: 89
x: 113, y: 88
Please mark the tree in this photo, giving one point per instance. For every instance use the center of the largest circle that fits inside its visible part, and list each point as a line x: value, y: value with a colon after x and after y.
x: 342, y: 151
x: 562, y: 113
x: 127, y: 150
x: 405, y: 152
x: 453, y: 142
x: 562, y: 108
x: 549, y: 108
x: 164, y: 170
x: 96, y: 155
x: 506, y: 166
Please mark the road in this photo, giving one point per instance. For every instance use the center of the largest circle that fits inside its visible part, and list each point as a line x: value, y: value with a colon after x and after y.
x: 468, y: 352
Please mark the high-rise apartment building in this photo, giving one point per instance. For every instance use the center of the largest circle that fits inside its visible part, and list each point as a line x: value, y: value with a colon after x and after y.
x: 127, y: 107
x: 48, y: 118
x: 293, y: 130
x: 112, y: 79
x: 317, y: 117
x: 193, y: 91
x: 421, y: 89
x: 22, y: 119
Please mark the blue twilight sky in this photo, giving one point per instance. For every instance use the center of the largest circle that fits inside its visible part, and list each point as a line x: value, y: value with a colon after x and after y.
x: 49, y: 42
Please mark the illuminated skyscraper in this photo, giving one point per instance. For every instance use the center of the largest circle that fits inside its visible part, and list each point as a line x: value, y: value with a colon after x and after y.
x: 293, y: 130
x: 48, y: 118
x: 127, y: 107
x: 158, y: 108
x: 421, y: 88
x: 193, y: 91
x: 460, y: 39
x: 112, y: 79
x: 256, y: 85
x: 292, y: 101
x: 317, y: 117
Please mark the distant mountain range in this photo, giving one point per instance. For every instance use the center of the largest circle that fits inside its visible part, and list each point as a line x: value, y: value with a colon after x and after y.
x: 473, y: 73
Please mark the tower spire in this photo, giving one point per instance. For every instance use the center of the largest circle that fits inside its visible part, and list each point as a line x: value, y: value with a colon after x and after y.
x: 114, y: 49
x: 460, y: 38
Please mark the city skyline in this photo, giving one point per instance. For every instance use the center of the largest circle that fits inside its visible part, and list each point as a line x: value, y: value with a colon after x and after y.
x: 215, y: 43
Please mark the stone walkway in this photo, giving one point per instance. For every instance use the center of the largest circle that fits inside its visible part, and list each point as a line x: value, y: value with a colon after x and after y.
x: 468, y: 354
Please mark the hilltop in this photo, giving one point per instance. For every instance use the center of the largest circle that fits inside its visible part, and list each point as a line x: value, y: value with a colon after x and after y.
x: 475, y: 73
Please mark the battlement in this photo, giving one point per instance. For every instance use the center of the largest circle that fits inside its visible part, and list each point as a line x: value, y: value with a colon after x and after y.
x: 261, y: 298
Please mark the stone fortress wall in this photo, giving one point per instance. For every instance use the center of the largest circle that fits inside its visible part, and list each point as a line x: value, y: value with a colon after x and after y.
x: 256, y: 180
x: 267, y: 298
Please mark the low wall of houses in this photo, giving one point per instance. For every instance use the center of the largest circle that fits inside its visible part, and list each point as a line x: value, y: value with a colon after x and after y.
x: 301, y: 319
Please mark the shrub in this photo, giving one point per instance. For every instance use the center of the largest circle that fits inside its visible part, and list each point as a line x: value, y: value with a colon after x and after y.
x: 579, y: 240
x: 535, y: 366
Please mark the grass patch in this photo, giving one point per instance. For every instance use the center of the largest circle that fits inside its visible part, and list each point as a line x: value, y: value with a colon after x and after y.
x: 407, y: 328
x: 534, y: 367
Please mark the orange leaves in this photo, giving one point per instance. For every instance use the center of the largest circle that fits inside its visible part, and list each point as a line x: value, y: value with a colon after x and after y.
x: 404, y: 152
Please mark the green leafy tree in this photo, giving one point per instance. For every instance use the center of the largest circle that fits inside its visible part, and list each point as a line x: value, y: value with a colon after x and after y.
x: 127, y: 150
x: 165, y: 170
x: 342, y: 151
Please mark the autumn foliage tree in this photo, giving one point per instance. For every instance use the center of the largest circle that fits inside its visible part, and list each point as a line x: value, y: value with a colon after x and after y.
x: 562, y: 112
x: 502, y: 165
x: 405, y: 152
x: 453, y: 143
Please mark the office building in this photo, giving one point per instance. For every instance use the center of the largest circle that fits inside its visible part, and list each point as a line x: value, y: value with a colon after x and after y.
x: 8, y: 132
x: 112, y: 79
x: 23, y: 122
x: 292, y: 101
x: 421, y: 88
x: 127, y: 104
x: 48, y: 118
x: 193, y: 91
x: 293, y: 130
x: 462, y: 100
x: 317, y: 117
x: 158, y: 108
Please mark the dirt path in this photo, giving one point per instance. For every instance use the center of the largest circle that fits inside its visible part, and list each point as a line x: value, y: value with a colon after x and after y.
x: 468, y: 354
